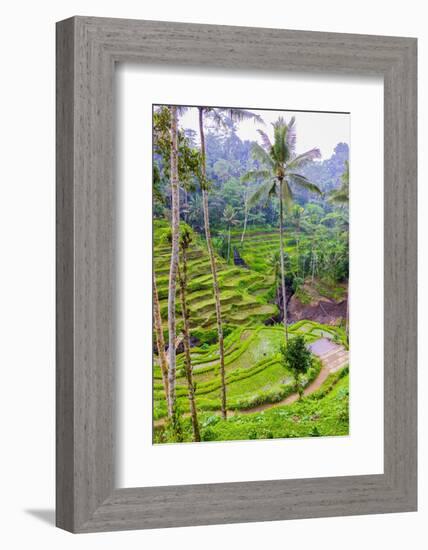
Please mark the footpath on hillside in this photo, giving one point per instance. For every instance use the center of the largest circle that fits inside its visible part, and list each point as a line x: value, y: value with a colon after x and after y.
x: 333, y: 357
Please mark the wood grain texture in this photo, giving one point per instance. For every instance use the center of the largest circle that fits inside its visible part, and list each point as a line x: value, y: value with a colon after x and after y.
x: 64, y: 276
x: 87, y: 49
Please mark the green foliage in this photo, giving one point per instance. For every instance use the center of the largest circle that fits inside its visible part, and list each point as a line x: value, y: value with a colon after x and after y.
x: 309, y: 417
x: 316, y: 245
x: 189, y: 160
x: 341, y: 195
x: 302, y: 296
x: 255, y: 375
x: 297, y: 358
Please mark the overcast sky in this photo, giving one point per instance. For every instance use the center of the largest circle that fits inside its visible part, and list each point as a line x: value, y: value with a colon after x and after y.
x: 314, y: 129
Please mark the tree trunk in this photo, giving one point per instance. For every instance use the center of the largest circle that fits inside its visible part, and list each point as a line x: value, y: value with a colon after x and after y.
x: 160, y: 342
x: 175, y: 223
x: 281, y: 252
x: 228, y: 246
x: 347, y: 315
x: 313, y: 267
x: 245, y: 219
x: 186, y: 343
x: 213, y: 266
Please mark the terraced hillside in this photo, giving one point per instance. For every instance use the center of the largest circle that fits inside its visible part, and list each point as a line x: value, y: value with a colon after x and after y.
x: 241, y: 301
x: 323, y: 413
x: 260, y: 245
x: 254, y: 373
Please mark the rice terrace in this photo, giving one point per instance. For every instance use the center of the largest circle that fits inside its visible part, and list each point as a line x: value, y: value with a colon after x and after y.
x: 250, y: 278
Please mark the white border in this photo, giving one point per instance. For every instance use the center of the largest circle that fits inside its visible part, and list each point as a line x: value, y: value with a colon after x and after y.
x: 140, y: 462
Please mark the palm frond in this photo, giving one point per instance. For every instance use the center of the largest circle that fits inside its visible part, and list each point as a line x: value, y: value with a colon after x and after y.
x: 267, y: 144
x: 253, y: 175
x: 287, y: 195
x: 239, y: 115
x: 279, y: 149
x: 181, y: 109
x: 340, y: 196
x: 304, y: 183
x: 302, y: 159
x: 291, y: 136
x: 216, y: 116
x: 284, y: 139
x: 258, y: 153
x: 261, y: 194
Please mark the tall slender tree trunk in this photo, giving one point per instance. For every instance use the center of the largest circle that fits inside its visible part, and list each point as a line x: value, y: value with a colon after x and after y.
x: 298, y: 246
x: 228, y: 246
x: 347, y: 314
x: 245, y: 219
x: 213, y: 265
x: 160, y: 341
x: 175, y: 223
x: 186, y: 342
x: 281, y: 253
x: 313, y: 266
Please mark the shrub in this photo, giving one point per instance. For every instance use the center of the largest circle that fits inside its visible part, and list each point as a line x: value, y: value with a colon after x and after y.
x: 205, y: 336
x: 252, y: 434
x: 208, y: 435
x: 315, y: 432
x: 211, y: 421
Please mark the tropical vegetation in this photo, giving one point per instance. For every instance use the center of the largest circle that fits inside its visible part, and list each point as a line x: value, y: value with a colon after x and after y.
x: 250, y: 279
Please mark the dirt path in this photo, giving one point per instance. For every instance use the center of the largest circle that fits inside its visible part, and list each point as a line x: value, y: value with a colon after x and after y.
x: 313, y: 387
x: 333, y: 357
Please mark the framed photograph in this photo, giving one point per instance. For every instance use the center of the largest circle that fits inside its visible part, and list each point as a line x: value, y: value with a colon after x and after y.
x: 236, y: 274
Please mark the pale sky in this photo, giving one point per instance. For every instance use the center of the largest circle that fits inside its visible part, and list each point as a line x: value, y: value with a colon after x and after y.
x: 314, y: 129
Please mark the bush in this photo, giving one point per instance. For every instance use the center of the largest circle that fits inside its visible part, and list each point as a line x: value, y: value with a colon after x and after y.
x: 208, y: 435
x: 252, y: 434
x: 205, y: 336
x: 211, y: 421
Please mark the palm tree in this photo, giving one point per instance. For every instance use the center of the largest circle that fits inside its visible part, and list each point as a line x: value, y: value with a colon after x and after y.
x: 229, y: 217
x: 218, y: 115
x: 175, y: 228
x: 279, y: 171
x: 185, y: 240
x: 341, y: 195
x: 160, y: 342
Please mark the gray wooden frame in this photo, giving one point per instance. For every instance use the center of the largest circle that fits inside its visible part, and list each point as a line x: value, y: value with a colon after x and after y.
x: 87, y: 50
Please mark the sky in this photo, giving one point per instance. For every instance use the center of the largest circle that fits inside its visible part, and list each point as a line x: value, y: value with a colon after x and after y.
x: 314, y: 129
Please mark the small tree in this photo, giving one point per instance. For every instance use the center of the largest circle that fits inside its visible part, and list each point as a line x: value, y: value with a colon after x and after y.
x: 297, y: 358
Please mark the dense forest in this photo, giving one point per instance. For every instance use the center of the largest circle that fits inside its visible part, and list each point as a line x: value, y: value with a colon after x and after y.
x: 250, y: 280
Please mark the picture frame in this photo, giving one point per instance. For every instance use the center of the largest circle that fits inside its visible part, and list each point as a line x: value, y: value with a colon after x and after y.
x: 87, y: 50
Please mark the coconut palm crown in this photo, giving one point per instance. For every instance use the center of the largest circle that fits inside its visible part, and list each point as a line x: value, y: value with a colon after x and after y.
x: 279, y: 163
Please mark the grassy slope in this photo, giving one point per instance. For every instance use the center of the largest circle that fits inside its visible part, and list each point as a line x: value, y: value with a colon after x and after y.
x: 241, y: 304
x: 254, y: 374
x: 324, y: 416
x: 325, y: 413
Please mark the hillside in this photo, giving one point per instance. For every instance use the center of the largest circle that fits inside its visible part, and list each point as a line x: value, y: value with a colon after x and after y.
x: 241, y: 289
